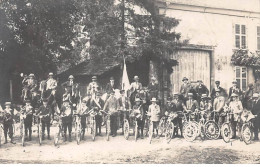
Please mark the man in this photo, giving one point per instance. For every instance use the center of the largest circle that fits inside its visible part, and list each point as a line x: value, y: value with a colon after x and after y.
x: 205, y: 106
x: 247, y: 101
x: 169, y: 107
x: 97, y: 104
x: 66, y: 112
x: 8, y: 122
x: 201, y: 89
x: 234, y: 89
x: 83, y: 116
x: 112, y: 106
x: 218, y: 108
x: 30, y: 82
x: 256, y: 112
x: 51, y: 82
x: 179, y: 108
x: 72, y: 87
x: 153, y: 88
x: 93, y: 87
x: 191, y: 107
x: 185, y: 88
x: 124, y: 106
x: 218, y: 87
x: 135, y: 87
x: 110, y: 86
x: 139, y: 113
x: 28, y: 111
x: 154, y: 111
x: 45, y: 110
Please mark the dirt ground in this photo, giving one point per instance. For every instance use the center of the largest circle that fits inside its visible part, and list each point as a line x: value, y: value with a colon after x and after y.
x: 119, y: 150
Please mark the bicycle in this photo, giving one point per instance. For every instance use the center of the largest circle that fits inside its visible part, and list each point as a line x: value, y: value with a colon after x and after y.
x: 126, y: 126
x: 226, y: 128
x: 202, y: 122
x: 170, y: 127
x: 40, y: 117
x: 108, y: 130
x: 60, y: 133
x: 93, y: 123
x: 190, y: 128
x: 1, y: 131
x: 212, y: 130
x: 149, y: 125
x: 247, y: 130
x: 22, y: 126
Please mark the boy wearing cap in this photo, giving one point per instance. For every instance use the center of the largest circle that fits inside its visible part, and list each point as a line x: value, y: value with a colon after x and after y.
x: 51, y: 82
x: 153, y: 88
x: 30, y: 82
x: 234, y: 89
x: 112, y: 106
x: 66, y: 112
x: 97, y: 104
x: 83, y: 116
x: 236, y: 108
x: 179, y: 108
x: 256, y: 112
x: 205, y: 106
x: 139, y: 113
x: 46, y: 111
x: 28, y: 111
x: 218, y: 107
x: 185, y: 88
x: 218, y: 87
x: 154, y: 111
x: 191, y: 106
x: 124, y: 105
x: 8, y: 122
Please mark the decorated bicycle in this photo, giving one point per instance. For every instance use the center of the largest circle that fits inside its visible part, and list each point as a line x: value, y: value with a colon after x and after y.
x: 247, y: 119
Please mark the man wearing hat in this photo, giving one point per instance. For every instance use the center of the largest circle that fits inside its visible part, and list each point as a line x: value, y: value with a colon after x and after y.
x: 83, y: 111
x: 8, y: 122
x: 139, y: 113
x: 192, y: 106
x: 153, y: 88
x: 247, y: 102
x: 201, y: 89
x: 155, y: 111
x: 45, y: 110
x: 110, y: 86
x: 135, y: 87
x: 93, y: 87
x: 66, y: 112
x: 236, y: 108
x: 28, y: 111
x: 124, y: 106
x: 179, y: 108
x: 72, y: 87
x: 218, y: 107
x: 205, y: 106
x: 97, y: 104
x: 169, y: 107
x: 51, y: 82
x: 185, y: 88
x: 218, y: 87
x: 234, y: 89
x: 29, y: 83
x: 111, y: 106
x: 256, y: 112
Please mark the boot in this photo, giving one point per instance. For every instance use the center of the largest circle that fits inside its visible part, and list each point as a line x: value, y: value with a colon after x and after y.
x: 49, y: 138
x: 12, y: 140
x: 70, y: 137
x: 30, y: 135
x: 65, y: 137
x: 142, y: 133
x: 5, y: 141
x: 83, y: 135
x: 43, y: 137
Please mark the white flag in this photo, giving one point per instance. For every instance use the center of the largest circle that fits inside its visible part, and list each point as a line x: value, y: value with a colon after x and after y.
x: 125, y: 79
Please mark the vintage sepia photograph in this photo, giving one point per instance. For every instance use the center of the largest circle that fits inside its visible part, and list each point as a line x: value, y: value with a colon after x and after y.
x: 129, y: 81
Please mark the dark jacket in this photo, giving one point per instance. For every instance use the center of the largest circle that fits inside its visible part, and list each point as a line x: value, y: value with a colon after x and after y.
x: 256, y: 108
x: 202, y: 89
x: 237, y: 91
x: 110, y: 88
x: 222, y: 91
x: 93, y: 104
x: 44, y: 111
x: 127, y: 103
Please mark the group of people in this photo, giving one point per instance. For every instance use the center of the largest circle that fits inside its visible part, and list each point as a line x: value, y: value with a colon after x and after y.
x: 131, y: 102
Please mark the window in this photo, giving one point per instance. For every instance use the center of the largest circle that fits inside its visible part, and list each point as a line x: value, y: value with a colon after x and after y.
x: 258, y: 37
x: 241, y: 77
x: 240, y: 36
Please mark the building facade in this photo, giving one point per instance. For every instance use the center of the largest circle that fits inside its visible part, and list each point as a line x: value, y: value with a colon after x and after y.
x: 222, y: 27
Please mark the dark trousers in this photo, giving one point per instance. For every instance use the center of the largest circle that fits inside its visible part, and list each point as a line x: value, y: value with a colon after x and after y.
x: 178, y: 123
x: 113, y: 124
x: 140, y: 124
x: 8, y: 128
x: 98, y: 123
x: 236, y: 124
x: 256, y: 125
x: 45, y: 123
x: 83, y: 124
x: 28, y: 127
x: 67, y: 125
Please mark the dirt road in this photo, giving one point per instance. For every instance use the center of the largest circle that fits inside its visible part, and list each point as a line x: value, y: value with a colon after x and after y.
x: 118, y: 150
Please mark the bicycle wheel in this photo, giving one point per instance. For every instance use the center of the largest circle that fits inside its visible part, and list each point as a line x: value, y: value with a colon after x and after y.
x: 78, y: 133
x: 136, y: 130
x: 189, y: 132
x: 212, y: 130
x: 108, y: 129
x: 150, y: 133
x: 246, y: 133
x: 226, y: 132
x: 202, y: 130
x: 40, y: 133
x: 56, y: 139
x: 22, y: 134
x: 161, y: 127
x: 169, y: 131
x: 93, y: 129
x: 126, y: 129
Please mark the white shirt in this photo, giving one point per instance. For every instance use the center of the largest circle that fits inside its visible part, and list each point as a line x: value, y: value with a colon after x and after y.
x: 51, y: 84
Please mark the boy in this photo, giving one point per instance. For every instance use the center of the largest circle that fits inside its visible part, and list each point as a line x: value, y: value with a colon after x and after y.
x: 154, y: 111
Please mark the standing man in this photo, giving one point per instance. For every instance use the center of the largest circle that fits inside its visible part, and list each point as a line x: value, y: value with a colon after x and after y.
x: 97, y: 104
x: 135, y: 88
x: 192, y: 106
x: 256, y: 112
x: 8, y: 122
x: 153, y: 88
x: 30, y: 82
x: 201, y: 89
x: 221, y: 91
x: 46, y: 111
x: 179, y: 108
x: 110, y: 86
x: 139, y: 113
x: 83, y: 112
x: 218, y: 108
x: 247, y: 101
x: 154, y: 111
x: 93, y: 87
x: 185, y: 88
x: 51, y: 82
x: 234, y: 89
x: 124, y: 106
x: 112, y: 106
x: 72, y: 88
x: 28, y: 111
x: 205, y: 106
x: 66, y: 112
